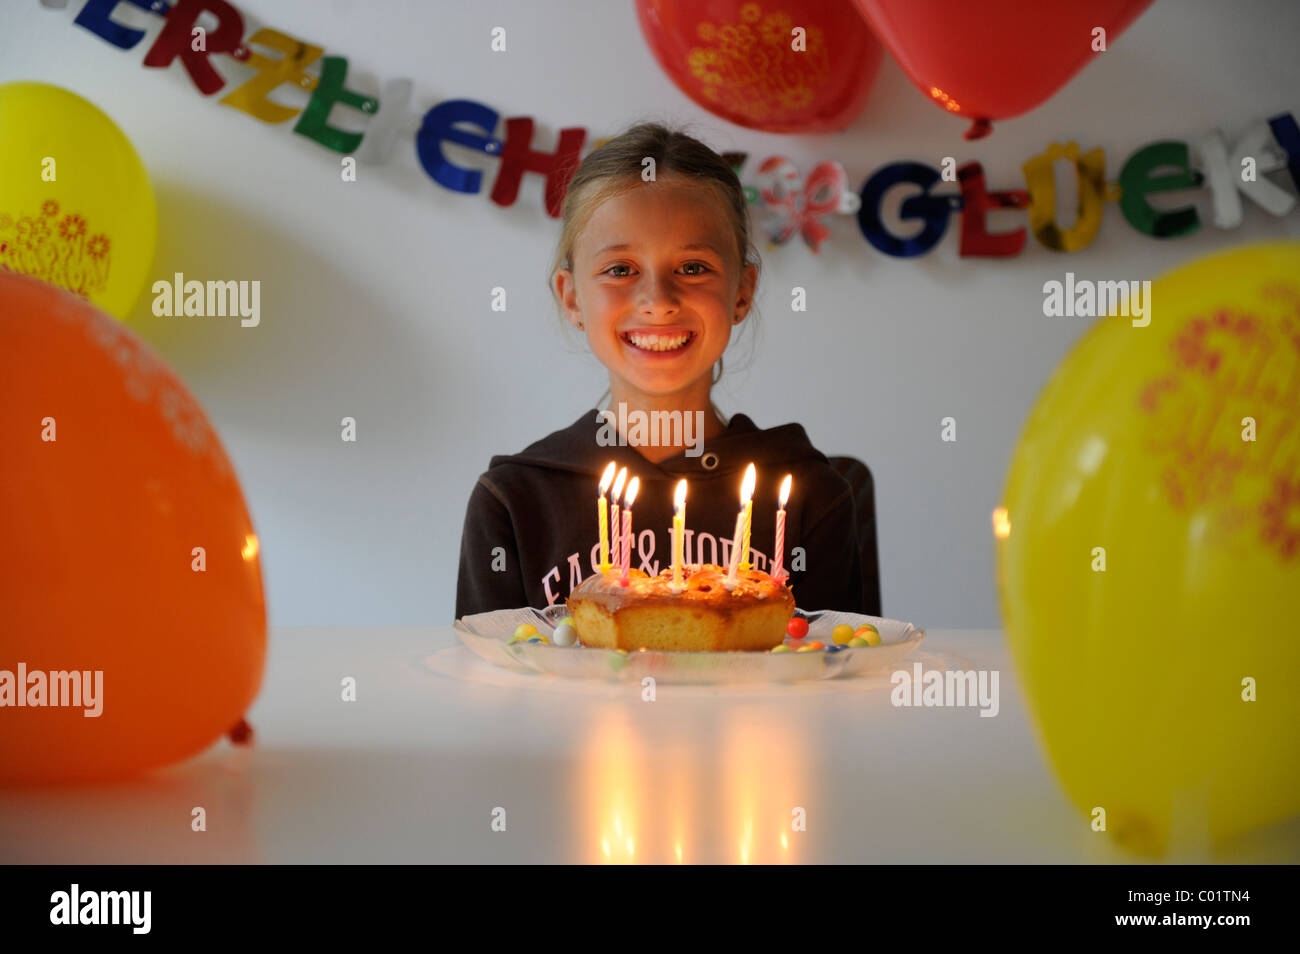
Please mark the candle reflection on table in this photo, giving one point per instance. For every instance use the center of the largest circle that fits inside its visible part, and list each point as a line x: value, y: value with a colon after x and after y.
x: 669, y: 804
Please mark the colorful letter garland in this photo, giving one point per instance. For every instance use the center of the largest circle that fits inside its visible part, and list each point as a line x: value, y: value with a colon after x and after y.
x: 793, y: 207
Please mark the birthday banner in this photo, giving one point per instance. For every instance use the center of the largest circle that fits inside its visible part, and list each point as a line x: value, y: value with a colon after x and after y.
x: 790, y: 202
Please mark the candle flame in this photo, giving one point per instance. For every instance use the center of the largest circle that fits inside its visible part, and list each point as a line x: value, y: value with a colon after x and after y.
x: 679, y: 498
x: 631, y: 492
x: 618, y: 483
x: 747, y: 488
x: 607, y: 478
x: 785, y: 489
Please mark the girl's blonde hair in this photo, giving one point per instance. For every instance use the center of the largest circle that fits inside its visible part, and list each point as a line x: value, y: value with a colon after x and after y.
x: 616, y: 166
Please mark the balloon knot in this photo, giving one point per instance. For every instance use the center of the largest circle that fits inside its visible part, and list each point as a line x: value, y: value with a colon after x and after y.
x: 242, y: 733
x: 978, y: 129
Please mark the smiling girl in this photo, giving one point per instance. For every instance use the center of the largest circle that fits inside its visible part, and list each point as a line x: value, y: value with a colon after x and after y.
x: 656, y: 272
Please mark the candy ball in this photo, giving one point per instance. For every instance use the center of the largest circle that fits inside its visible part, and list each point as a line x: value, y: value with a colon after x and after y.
x: 782, y: 648
x: 806, y: 649
x: 869, y: 634
x: 524, y: 630
x: 797, y: 627
x: 858, y: 642
x: 565, y: 634
x: 842, y: 633
x: 816, y: 644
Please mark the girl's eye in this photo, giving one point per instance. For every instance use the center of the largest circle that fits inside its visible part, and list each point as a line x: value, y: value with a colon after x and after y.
x: 700, y: 265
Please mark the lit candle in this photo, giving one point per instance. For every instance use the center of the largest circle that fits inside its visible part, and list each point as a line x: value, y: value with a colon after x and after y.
x: 616, y: 538
x: 679, y: 532
x: 778, y: 558
x: 749, y: 516
x: 632, y: 486
x: 602, y: 516
x: 746, y: 499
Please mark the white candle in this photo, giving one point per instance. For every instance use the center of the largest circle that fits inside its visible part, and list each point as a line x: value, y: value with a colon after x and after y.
x: 602, y: 516
x: 778, y: 559
x: 746, y: 498
x: 632, y: 486
x: 679, y: 532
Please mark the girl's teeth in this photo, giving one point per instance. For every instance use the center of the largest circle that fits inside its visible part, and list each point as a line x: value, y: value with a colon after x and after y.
x: 658, y: 342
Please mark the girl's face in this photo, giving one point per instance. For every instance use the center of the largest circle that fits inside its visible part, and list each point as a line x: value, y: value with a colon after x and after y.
x: 657, y: 286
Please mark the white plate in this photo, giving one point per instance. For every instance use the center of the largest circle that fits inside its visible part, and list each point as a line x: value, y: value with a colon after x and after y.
x: 486, y: 635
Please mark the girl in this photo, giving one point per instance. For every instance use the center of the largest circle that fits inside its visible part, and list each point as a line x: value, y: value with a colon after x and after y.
x: 657, y: 274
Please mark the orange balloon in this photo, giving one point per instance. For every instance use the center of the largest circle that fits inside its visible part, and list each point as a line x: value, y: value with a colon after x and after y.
x: 112, y: 481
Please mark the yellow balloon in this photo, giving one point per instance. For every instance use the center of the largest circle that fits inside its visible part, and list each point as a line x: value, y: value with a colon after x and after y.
x: 76, y: 207
x: 1148, y: 558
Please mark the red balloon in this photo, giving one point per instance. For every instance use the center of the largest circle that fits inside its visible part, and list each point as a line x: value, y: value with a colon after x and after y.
x: 740, y: 62
x: 997, y: 58
x: 129, y: 566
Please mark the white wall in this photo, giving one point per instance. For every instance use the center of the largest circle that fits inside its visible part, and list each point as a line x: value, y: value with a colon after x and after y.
x: 375, y: 294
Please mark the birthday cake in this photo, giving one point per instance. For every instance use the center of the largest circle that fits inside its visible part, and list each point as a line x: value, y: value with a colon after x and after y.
x: 701, y: 614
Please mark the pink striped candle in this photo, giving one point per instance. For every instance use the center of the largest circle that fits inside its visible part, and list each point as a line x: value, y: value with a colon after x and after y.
x: 616, y: 538
x: 778, y: 559
x: 632, y: 486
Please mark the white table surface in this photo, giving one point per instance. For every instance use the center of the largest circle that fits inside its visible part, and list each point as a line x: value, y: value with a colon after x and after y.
x: 437, y: 739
